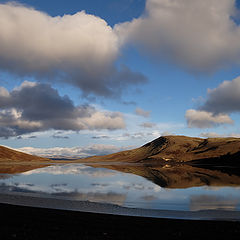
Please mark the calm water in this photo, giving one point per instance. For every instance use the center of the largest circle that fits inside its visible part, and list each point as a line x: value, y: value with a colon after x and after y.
x: 81, y: 182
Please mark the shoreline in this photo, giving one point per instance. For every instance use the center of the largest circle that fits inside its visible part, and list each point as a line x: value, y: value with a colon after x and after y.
x: 61, y: 203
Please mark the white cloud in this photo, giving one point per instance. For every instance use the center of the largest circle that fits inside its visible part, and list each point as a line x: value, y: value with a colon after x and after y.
x: 198, y: 35
x: 78, y: 49
x: 103, y: 120
x: 203, y: 119
x: 50, y: 41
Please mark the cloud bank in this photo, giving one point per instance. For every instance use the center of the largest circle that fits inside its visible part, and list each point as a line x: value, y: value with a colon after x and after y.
x: 200, y: 36
x: 73, y: 152
x: 36, y: 107
x: 77, y: 49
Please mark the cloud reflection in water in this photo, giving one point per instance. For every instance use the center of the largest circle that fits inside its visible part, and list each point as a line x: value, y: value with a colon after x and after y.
x: 85, y: 183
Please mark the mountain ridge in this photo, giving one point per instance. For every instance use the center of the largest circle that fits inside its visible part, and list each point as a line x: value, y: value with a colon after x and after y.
x: 176, y: 149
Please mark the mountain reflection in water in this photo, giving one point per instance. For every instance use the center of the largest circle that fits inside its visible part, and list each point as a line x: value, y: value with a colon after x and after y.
x: 171, y: 187
x: 181, y: 175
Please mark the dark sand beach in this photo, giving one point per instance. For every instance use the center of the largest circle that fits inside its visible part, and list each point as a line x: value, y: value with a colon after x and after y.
x: 27, y: 220
x: 21, y: 222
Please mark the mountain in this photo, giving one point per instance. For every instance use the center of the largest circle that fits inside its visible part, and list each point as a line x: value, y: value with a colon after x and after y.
x: 12, y: 161
x: 13, y: 155
x: 179, y: 149
x: 179, y: 161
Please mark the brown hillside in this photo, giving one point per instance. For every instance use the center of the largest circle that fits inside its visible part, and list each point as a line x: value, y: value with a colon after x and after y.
x: 176, y: 149
x: 181, y: 148
x: 7, y: 154
x: 12, y: 161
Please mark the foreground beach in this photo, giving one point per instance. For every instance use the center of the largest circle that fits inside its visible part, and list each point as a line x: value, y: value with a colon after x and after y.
x: 26, y: 221
x: 20, y: 222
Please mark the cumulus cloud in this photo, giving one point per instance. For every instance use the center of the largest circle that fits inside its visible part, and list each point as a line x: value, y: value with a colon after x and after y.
x: 203, y: 119
x: 78, y: 49
x: 141, y: 112
x: 221, y: 101
x: 197, y: 35
x: 36, y: 107
x: 225, y: 98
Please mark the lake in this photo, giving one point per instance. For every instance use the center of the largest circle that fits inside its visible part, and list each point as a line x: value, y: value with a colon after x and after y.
x: 131, y: 186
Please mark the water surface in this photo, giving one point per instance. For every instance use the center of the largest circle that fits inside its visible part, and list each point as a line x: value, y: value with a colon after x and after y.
x: 130, y: 186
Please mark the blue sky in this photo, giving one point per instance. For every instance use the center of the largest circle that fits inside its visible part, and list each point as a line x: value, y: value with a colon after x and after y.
x: 121, y: 73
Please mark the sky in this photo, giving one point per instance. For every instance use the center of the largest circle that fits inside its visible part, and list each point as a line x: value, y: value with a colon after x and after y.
x: 111, y: 75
